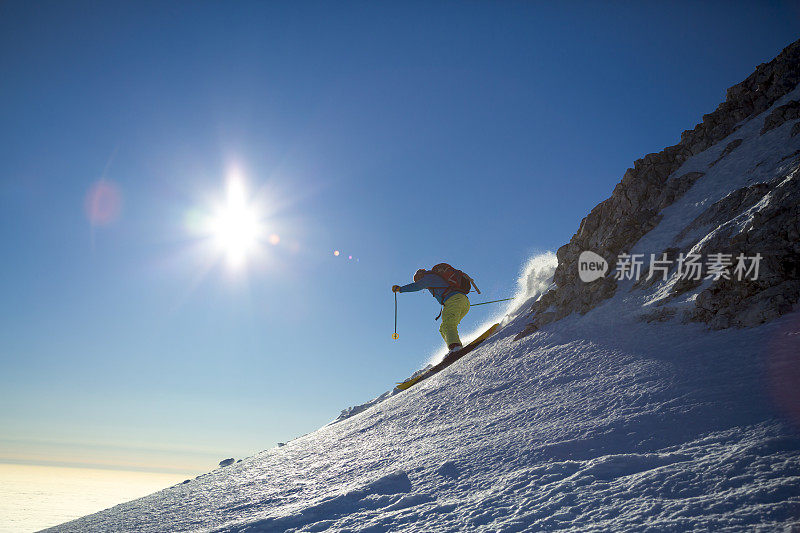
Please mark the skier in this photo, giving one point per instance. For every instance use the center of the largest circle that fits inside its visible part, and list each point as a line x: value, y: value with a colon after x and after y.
x: 450, y: 287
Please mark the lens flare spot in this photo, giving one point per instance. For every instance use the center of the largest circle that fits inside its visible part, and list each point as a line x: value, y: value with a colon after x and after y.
x: 784, y: 369
x: 274, y: 239
x: 336, y: 253
x: 103, y: 203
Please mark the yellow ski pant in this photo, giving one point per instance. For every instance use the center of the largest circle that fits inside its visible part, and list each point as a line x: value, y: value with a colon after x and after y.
x: 455, y: 308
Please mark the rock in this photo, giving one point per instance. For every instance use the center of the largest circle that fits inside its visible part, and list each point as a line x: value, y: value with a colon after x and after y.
x: 772, y: 234
x: 725, y: 209
x: 635, y: 205
x: 780, y: 115
x: 226, y: 462
x: 677, y: 187
x: 449, y: 470
x: 733, y: 145
x: 394, y: 483
x: 684, y: 285
x: 661, y: 314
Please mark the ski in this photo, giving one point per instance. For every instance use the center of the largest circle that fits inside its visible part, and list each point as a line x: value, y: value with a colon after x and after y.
x: 448, y: 360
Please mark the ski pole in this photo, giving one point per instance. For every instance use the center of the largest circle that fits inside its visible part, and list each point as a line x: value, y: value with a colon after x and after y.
x: 395, y: 336
x: 492, y: 302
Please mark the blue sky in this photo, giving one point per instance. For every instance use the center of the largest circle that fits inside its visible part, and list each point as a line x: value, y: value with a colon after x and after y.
x: 478, y: 133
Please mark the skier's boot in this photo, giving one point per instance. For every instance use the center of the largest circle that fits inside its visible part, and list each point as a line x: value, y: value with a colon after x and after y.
x: 456, y: 346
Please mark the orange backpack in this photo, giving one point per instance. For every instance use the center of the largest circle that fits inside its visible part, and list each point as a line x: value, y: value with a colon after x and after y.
x: 455, y: 279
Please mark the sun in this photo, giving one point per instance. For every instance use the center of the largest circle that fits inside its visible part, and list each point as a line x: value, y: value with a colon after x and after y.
x: 235, y: 226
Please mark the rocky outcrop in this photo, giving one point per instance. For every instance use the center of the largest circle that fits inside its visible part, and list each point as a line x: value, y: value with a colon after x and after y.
x: 634, y: 207
x: 780, y: 115
x: 773, y: 232
x: 733, y: 145
x: 724, y: 210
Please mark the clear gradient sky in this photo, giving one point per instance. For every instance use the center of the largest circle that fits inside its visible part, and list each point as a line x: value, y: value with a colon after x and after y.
x: 402, y: 134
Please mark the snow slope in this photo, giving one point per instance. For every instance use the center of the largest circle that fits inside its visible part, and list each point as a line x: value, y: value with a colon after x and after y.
x: 593, y: 423
x: 589, y: 426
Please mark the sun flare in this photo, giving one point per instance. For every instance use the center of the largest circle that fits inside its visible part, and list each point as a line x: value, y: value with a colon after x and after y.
x: 235, y: 226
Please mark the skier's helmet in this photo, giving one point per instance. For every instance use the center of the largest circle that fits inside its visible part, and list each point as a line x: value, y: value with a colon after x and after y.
x: 419, y: 274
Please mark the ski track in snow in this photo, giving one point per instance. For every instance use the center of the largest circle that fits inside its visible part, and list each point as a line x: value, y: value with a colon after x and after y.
x: 595, y: 423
